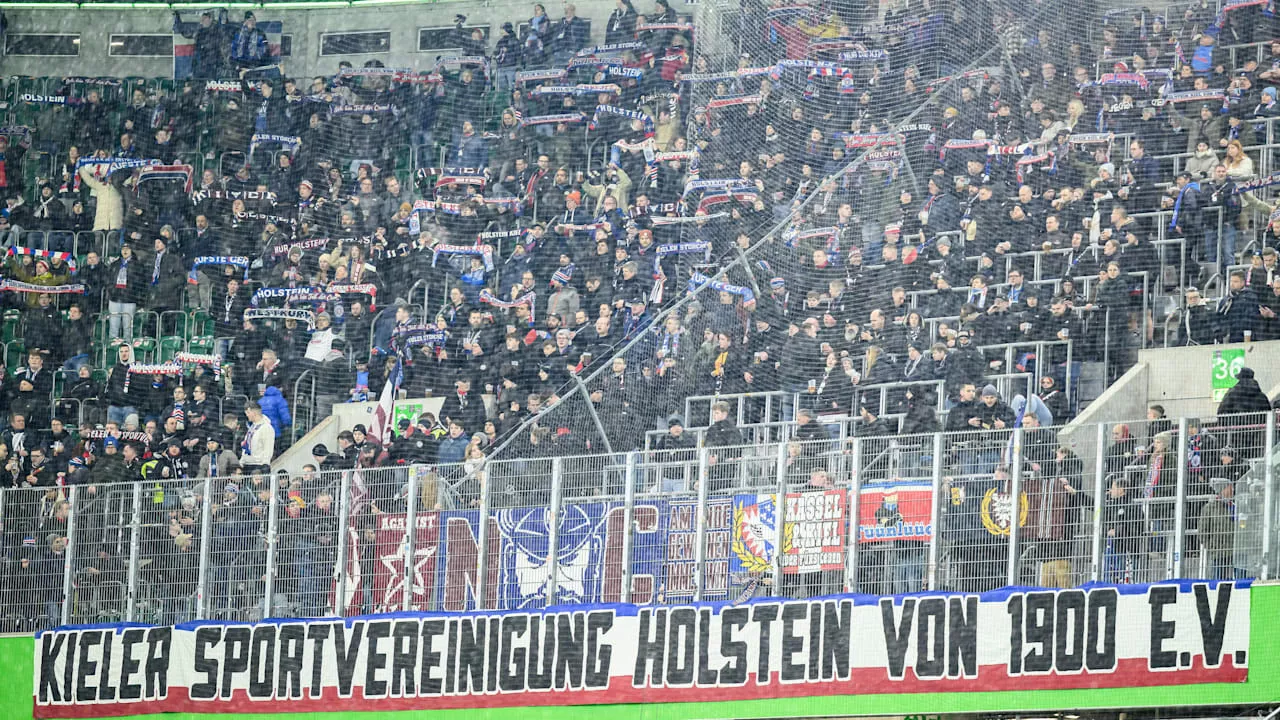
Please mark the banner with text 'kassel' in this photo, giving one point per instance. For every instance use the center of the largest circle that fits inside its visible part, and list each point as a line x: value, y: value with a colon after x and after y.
x: 1011, y: 639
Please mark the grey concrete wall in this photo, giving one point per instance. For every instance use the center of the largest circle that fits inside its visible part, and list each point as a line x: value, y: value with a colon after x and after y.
x: 95, y: 26
x: 1181, y: 379
x: 344, y: 417
x: 1123, y: 401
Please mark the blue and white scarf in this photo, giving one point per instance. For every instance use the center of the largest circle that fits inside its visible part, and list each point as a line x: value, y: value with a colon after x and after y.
x: 1177, y: 204
x: 235, y: 261
x: 698, y: 280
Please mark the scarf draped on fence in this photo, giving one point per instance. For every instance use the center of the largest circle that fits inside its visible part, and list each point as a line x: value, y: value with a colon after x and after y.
x: 65, y: 257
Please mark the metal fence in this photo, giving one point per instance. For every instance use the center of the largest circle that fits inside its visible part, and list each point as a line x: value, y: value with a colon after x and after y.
x: 833, y: 507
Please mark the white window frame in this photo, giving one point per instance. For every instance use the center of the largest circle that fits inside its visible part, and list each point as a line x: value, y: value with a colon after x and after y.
x: 79, y: 45
x: 111, y: 49
x: 321, y: 53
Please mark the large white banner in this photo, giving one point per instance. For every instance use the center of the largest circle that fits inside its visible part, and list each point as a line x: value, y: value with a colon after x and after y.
x: 1016, y: 638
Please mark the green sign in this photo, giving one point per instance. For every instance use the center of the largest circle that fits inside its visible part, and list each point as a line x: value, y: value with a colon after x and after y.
x: 407, y: 410
x: 1226, y: 366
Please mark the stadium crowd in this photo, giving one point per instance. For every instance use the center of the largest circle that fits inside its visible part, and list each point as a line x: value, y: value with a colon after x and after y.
x: 559, y: 197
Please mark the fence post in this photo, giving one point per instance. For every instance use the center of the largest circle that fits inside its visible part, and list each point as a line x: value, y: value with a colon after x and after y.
x: 629, y: 525
x: 344, y: 531
x: 700, y: 539
x: 1099, y: 499
x: 779, y: 516
x: 935, y: 513
x: 1268, y: 496
x: 273, y: 543
x: 853, y: 507
x: 482, y: 550
x: 206, y: 540
x: 1174, y: 565
x: 1015, y: 513
x: 68, y: 571
x: 553, y: 529
x: 135, y: 536
x: 410, y: 540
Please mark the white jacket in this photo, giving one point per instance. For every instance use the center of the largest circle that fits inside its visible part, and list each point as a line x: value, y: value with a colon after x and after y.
x: 262, y: 444
x: 110, y: 212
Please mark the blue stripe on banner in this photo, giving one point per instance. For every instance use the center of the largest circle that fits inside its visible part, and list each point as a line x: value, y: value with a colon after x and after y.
x: 630, y: 610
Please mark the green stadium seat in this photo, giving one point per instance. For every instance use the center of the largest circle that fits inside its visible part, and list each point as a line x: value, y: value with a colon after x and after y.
x: 12, y: 318
x: 171, y: 345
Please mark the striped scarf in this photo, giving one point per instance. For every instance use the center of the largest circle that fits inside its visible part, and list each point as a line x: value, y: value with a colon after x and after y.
x: 529, y: 300
x: 66, y: 257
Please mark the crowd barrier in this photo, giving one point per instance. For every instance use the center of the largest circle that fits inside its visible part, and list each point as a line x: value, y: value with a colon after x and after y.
x: 859, y: 513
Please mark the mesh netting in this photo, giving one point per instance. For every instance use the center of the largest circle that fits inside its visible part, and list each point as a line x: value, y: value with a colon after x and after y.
x: 579, y: 231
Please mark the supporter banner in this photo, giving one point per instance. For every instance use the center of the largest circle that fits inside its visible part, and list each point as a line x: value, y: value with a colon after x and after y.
x: 1011, y: 639
x: 900, y: 510
x: 813, y: 532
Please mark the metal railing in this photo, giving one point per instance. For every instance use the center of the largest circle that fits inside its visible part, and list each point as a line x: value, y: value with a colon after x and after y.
x: 912, y: 513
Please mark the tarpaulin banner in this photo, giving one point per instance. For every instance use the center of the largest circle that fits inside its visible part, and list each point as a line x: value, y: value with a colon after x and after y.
x: 1098, y: 636
x: 895, y: 510
x: 813, y: 532
x: 588, y: 559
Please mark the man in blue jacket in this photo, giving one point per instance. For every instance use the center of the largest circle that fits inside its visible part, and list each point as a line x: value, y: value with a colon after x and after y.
x: 276, y: 408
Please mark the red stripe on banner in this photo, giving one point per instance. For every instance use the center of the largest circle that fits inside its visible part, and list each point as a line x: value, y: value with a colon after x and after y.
x: 1131, y: 672
x: 184, y: 50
